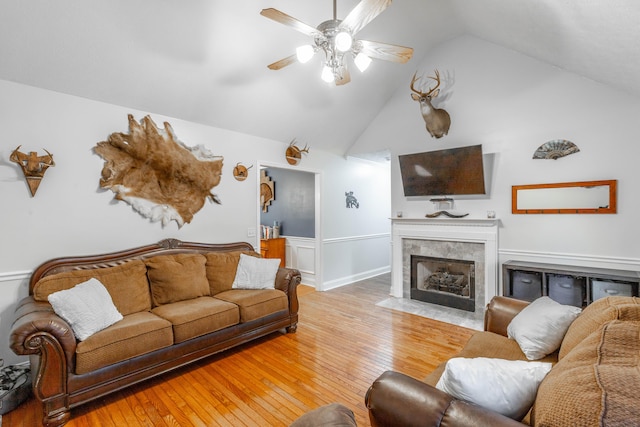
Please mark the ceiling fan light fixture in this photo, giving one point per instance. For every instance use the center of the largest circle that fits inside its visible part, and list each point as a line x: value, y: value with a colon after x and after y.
x: 327, y: 74
x: 343, y: 41
x: 305, y: 53
x: 362, y: 61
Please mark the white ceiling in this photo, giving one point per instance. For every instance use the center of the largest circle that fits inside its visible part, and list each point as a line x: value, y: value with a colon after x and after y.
x: 205, y: 60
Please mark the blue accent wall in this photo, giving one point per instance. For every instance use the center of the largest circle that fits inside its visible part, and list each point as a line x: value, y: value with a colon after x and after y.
x: 294, y: 203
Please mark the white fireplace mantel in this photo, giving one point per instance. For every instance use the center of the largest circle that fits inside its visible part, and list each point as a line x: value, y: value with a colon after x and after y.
x: 482, y: 230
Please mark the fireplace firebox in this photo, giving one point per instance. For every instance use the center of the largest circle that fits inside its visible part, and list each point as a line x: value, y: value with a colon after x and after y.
x: 448, y: 282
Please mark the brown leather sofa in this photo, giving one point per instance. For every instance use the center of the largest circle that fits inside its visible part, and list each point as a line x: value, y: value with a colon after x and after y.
x: 162, y: 328
x: 595, y: 379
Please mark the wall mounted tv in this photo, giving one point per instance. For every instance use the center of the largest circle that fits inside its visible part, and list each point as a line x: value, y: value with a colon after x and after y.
x: 450, y: 172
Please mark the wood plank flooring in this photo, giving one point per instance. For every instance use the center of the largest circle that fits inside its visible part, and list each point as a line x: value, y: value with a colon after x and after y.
x: 343, y: 343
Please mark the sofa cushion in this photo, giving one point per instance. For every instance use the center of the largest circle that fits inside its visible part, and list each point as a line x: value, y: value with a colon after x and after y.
x: 87, y: 307
x: 221, y: 269
x: 177, y: 277
x: 127, y: 284
x: 595, y: 315
x: 256, y: 273
x: 540, y: 327
x: 597, y: 383
x: 256, y: 303
x: 508, y: 387
x: 136, y: 334
x: 488, y: 344
x: 198, y: 316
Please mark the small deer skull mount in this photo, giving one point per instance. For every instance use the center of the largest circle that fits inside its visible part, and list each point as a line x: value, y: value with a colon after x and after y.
x: 294, y: 153
x: 437, y: 120
x: 241, y: 172
x: 33, y: 166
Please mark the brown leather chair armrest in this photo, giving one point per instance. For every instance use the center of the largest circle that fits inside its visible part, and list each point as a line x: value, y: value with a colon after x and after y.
x: 395, y: 399
x: 499, y: 313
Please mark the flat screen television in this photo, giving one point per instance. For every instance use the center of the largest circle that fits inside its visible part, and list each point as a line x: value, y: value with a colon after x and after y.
x: 450, y: 172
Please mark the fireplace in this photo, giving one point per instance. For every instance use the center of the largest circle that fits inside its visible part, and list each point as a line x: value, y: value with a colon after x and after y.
x: 443, y: 281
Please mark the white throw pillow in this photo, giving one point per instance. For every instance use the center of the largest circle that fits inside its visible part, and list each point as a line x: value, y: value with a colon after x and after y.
x: 508, y: 387
x: 540, y: 327
x: 256, y: 273
x: 87, y: 307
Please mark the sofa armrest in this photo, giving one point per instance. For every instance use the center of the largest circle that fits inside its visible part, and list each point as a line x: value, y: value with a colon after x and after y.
x: 38, y: 330
x: 287, y: 280
x: 395, y: 399
x: 499, y: 313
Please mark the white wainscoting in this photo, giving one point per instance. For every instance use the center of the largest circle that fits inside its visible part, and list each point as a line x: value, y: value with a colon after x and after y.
x: 14, y: 286
x: 350, y: 259
x: 301, y: 254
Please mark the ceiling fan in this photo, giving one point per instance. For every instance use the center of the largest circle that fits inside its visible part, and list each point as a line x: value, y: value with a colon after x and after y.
x: 336, y: 38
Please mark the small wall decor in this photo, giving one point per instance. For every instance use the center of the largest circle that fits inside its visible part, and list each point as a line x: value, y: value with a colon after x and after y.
x: 33, y: 166
x: 158, y: 175
x: 241, y: 172
x: 555, y: 149
x: 351, y: 200
x: 293, y: 153
x: 267, y: 190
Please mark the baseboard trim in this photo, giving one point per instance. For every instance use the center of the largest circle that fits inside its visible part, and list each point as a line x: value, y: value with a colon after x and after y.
x: 347, y: 280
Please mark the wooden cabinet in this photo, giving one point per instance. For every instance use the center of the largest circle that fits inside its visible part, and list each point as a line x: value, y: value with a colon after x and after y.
x: 566, y: 284
x: 274, y: 248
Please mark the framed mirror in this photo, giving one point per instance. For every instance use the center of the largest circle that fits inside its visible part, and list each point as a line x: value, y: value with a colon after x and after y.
x: 585, y: 197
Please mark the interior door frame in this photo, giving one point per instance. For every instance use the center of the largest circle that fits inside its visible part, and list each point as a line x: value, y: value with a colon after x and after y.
x: 318, y: 212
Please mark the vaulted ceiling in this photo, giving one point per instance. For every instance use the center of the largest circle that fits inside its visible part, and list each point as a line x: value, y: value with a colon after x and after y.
x: 205, y: 60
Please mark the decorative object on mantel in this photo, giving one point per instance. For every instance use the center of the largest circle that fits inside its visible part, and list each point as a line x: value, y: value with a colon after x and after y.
x: 436, y: 120
x: 33, y: 166
x: 267, y: 190
x: 293, y: 153
x: 241, y: 172
x: 555, y: 149
x: 447, y: 204
x: 351, y: 200
x: 158, y: 175
x: 336, y: 39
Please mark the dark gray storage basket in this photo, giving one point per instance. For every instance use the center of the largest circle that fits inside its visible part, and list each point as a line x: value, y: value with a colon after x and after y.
x: 567, y: 289
x: 15, y: 387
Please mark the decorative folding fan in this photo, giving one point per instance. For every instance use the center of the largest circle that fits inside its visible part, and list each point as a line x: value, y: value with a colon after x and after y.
x: 555, y: 149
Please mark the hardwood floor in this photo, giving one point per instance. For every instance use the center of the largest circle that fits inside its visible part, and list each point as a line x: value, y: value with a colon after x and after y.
x: 343, y: 343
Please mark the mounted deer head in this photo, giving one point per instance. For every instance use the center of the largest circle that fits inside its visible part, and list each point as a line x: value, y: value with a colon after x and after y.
x: 293, y: 154
x: 437, y: 120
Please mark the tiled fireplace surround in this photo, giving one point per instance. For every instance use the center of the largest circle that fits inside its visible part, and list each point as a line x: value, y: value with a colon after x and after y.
x: 465, y: 239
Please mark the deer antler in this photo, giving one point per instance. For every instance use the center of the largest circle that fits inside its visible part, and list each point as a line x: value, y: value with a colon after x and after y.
x: 431, y: 90
x: 437, y: 79
x: 413, y: 81
x: 305, y: 149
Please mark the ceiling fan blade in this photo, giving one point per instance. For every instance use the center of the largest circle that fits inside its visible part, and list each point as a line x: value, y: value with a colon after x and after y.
x: 346, y: 76
x: 290, y: 21
x: 283, y: 62
x: 385, y: 51
x: 363, y: 13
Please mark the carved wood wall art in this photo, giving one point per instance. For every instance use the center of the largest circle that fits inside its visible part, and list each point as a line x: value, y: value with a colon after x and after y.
x: 293, y: 153
x: 241, y: 172
x: 33, y: 166
x: 159, y: 176
x: 267, y: 190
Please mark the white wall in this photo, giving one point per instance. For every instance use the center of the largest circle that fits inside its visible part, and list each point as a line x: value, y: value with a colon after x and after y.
x: 511, y: 104
x: 70, y: 215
